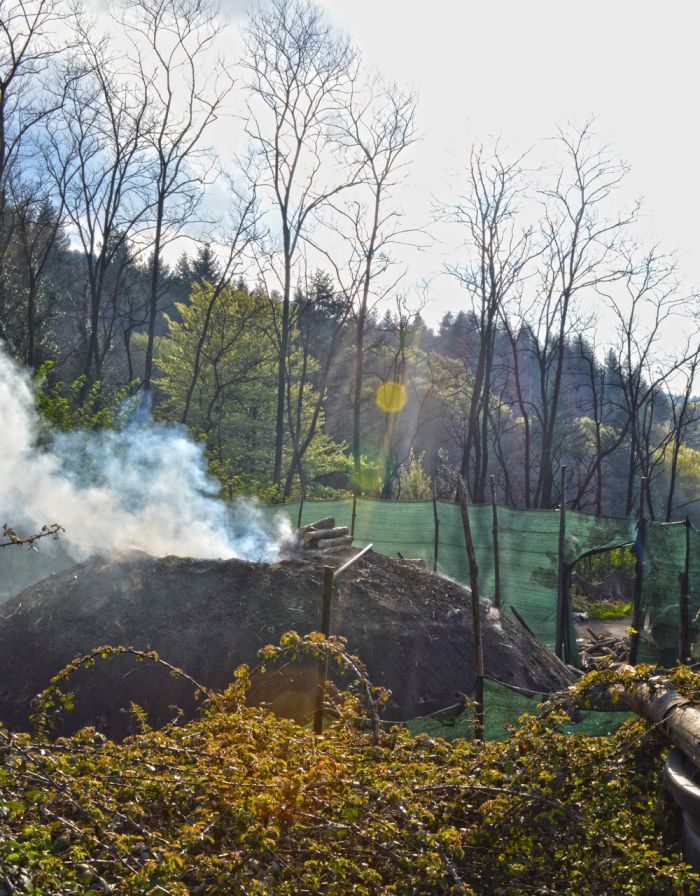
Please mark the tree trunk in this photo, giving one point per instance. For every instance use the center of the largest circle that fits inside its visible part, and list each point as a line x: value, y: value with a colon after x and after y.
x: 282, y: 362
x: 676, y: 716
x: 153, y: 298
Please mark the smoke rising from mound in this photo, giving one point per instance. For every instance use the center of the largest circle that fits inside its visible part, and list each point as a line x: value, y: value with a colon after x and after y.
x: 143, y: 487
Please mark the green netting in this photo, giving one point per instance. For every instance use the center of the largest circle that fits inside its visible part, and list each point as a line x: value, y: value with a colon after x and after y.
x: 664, y: 560
x: 503, y: 706
x: 528, y: 563
x: 449, y: 724
x: 527, y: 541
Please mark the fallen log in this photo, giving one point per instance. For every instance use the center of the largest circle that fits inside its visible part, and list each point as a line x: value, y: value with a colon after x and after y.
x: 315, y: 536
x: 657, y: 701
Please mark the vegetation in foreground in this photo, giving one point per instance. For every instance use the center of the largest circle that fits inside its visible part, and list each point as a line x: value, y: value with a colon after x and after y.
x: 242, y: 802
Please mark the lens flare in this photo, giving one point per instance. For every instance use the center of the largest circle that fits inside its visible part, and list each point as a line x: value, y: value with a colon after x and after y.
x: 391, y: 397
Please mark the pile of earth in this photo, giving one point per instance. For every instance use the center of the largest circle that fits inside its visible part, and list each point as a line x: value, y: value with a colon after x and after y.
x: 412, y: 629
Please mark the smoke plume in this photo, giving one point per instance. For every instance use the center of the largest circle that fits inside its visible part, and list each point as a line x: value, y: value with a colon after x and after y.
x: 143, y: 487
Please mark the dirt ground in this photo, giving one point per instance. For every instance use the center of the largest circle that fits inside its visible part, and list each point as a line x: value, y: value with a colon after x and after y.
x: 604, y: 628
x: 412, y: 629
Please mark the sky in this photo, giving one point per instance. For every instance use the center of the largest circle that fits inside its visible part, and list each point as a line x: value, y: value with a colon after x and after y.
x: 517, y: 71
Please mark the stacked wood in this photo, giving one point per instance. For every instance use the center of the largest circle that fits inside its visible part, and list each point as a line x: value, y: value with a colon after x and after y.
x: 315, y: 535
x: 602, y: 650
x: 327, y: 522
x: 324, y: 535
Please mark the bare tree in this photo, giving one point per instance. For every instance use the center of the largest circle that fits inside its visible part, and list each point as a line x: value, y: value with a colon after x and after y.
x: 298, y: 75
x: 97, y: 158
x: 606, y: 439
x: 186, y: 87
x: 582, y: 253
x: 650, y: 301
x: 28, y: 46
x: 376, y: 132
x: 233, y: 244
x: 685, y: 412
x: 38, y: 230
x: 499, y: 251
x: 398, y: 354
x: 32, y: 88
x: 319, y: 317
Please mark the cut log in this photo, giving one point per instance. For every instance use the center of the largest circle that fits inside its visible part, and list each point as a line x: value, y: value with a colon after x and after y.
x: 329, y: 543
x: 658, y: 702
x: 311, y: 538
x: 327, y: 522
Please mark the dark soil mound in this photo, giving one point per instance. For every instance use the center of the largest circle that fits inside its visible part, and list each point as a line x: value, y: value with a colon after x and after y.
x: 411, y: 628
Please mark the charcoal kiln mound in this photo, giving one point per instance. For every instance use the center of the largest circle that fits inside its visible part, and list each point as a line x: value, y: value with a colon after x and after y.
x: 412, y: 629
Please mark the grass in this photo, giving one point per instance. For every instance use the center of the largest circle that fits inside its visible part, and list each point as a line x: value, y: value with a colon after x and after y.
x: 613, y: 609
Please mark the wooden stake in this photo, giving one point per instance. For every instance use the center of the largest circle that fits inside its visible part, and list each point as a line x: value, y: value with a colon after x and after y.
x: 638, y: 574
x: 561, y: 571
x: 494, y: 532
x: 476, y: 614
x: 301, y: 508
x: 683, y: 608
x: 328, y: 576
x: 354, y: 514
x: 437, y: 528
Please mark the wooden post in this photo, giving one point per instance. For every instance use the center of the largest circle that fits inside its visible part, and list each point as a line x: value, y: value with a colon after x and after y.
x: 494, y: 531
x: 476, y: 615
x: 638, y: 574
x: 354, y: 513
x: 328, y: 576
x: 684, y: 627
x: 437, y: 528
x: 301, y: 509
x: 561, y: 571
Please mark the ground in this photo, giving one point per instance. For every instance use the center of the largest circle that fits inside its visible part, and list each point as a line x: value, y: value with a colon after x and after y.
x: 412, y: 629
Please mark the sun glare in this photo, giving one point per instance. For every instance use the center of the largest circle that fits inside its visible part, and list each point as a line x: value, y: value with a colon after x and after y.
x: 391, y: 397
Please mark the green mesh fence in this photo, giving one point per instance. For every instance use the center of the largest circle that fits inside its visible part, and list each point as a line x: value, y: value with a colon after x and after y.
x: 664, y: 550
x: 503, y: 706
x: 527, y: 541
x: 528, y: 563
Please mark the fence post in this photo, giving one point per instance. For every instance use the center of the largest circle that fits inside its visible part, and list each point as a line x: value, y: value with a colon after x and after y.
x: 437, y: 528
x: 638, y: 573
x: 354, y: 511
x: 561, y: 571
x: 328, y: 575
x: 494, y: 531
x: 684, y: 639
x: 476, y: 615
x: 301, y: 508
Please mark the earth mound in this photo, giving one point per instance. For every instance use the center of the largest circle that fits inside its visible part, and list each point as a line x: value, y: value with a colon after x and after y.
x: 412, y: 629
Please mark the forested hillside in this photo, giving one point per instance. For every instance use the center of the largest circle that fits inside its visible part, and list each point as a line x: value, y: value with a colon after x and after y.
x: 265, y: 300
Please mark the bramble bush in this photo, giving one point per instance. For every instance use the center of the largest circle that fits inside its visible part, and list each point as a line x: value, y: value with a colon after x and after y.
x: 240, y: 802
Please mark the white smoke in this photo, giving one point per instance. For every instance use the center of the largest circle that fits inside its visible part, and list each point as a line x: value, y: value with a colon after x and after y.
x: 143, y: 487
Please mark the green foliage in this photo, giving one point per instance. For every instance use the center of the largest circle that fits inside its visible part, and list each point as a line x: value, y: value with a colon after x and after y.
x: 228, y: 339
x: 370, y: 474
x: 415, y: 484
x: 239, y: 802
x: 619, y: 560
x: 78, y: 405
x: 613, y: 609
